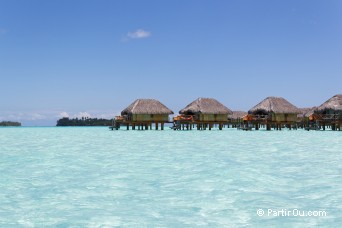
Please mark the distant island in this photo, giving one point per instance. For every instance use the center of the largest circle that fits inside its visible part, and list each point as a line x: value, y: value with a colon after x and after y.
x: 9, y: 124
x: 84, y: 121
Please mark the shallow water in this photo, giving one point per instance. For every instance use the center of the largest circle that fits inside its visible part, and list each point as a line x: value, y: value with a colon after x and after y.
x: 84, y: 176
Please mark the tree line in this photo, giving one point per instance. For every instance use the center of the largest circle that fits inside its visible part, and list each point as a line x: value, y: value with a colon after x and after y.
x: 10, y: 124
x: 84, y: 121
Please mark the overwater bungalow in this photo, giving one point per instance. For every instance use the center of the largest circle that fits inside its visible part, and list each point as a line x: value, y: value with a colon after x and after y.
x: 306, y: 119
x: 204, y: 113
x: 274, y: 111
x: 303, y: 113
x: 330, y: 113
x: 142, y: 113
x: 236, y: 118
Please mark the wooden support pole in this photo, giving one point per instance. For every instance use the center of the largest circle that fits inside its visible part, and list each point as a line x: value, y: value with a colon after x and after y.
x: 156, y: 126
x: 133, y: 126
x: 162, y: 126
x: 209, y: 127
x: 268, y: 127
x: 333, y: 127
x: 257, y: 126
x: 146, y: 126
x: 220, y: 126
x: 127, y: 127
x: 198, y: 126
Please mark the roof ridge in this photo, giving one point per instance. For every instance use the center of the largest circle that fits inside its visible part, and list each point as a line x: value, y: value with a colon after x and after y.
x: 136, y: 103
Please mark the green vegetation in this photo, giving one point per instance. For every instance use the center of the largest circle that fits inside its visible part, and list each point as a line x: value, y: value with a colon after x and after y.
x: 84, y: 121
x: 9, y: 124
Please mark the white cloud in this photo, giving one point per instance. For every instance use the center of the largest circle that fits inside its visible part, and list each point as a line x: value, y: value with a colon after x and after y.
x: 23, y: 116
x: 106, y: 116
x: 82, y: 114
x: 63, y: 114
x: 139, y: 34
x: 37, y: 116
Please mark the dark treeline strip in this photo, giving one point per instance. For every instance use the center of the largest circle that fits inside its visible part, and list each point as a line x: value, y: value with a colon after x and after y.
x: 84, y: 121
x: 10, y: 124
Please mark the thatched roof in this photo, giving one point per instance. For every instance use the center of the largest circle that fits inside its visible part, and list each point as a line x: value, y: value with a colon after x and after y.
x: 334, y: 103
x: 306, y: 112
x: 238, y: 114
x: 146, y: 106
x: 205, y: 106
x: 275, y: 105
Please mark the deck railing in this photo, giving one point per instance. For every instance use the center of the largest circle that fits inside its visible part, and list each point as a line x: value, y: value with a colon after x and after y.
x: 261, y: 117
x: 331, y: 116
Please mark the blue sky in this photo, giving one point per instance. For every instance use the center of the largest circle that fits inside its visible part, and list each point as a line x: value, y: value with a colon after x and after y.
x: 94, y: 58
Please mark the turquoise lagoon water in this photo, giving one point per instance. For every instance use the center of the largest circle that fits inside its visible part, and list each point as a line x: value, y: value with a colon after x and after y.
x: 93, y: 177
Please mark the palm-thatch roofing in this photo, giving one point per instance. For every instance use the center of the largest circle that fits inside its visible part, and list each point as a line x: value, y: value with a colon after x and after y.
x: 275, y: 105
x: 205, y: 106
x: 310, y: 112
x: 146, y: 106
x: 238, y: 114
x: 334, y: 103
